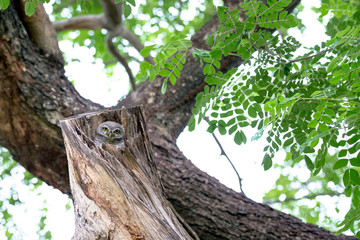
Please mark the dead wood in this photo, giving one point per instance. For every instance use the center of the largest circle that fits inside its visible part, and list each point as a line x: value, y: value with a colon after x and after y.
x: 117, y: 191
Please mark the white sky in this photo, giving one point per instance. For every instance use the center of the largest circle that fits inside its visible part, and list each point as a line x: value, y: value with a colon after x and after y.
x: 92, y: 82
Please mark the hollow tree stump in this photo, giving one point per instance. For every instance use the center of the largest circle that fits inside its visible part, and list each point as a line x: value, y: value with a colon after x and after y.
x: 117, y: 192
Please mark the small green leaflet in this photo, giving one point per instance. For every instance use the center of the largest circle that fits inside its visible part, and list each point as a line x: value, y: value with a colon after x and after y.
x: 340, y: 164
x: 4, y: 4
x: 30, y: 7
x: 267, y: 162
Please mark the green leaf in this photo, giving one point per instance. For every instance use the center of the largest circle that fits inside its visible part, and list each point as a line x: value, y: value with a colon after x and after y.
x: 222, y: 130
x: 238, y: 138
x: 314, y: 142
x: 288, y: 142
x: 146, y: 51
x: 169, y: 65
x: 163, y: 87
x: 208, y: 69
x: 4, y: 4
x: 326, y: 119
x: 313, y: 123
x: 191, y: 124
x: 346, y: 178
x: 132, y: 2
x: 340, y: 164
x: 267, y: 162
x: 30, y: 8
x: 252, y: 111
x: 214, y: 114
x: 309, y: 163
x: 320, y: 108
x: 212, y: 80
x: 177, y: 72
x: 245, y: 55
x: 216, y: 53
x: 355, y: 161
x: 211, y: 128
x: 172, y: 79
x: 353, y: 140
x: 126, y: 10
x: 283, y: 15
x: 354, y: 177
x: 222, y: 13
x: 336, y: 79
x: 323, y: 127
x: 342, y: 153
x: 317, y: 115
x: 348, y: 191
x: 164, y: 72
x: 233, y: 129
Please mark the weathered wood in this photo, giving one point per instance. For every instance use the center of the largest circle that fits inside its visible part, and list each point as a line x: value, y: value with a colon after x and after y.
x: 117, y: 191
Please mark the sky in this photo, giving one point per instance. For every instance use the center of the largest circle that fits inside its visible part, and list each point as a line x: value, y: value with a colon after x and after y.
x: 93, y: 83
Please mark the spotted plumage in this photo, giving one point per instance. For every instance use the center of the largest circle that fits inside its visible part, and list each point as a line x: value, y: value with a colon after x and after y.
x: 110, y: 132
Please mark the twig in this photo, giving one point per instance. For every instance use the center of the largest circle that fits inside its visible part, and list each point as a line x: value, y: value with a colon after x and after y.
x: 232, y: 165
x: 112, y: 49
x: 310, y: 196
x: 223, y: 153
x: 314, y: 55
x: 308, y: 57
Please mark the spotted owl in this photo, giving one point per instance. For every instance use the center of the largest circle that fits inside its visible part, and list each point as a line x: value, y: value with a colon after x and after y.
x: 110, y: 132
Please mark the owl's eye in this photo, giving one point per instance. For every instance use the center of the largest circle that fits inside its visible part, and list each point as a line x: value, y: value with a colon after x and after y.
x: 117, y: 131
x: 105, y: 129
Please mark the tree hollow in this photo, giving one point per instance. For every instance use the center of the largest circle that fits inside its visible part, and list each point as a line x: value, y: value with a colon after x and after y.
x: 117, y: 191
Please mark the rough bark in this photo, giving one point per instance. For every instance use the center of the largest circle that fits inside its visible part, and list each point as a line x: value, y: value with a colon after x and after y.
x: 117, y: 191
x: 35, y: 95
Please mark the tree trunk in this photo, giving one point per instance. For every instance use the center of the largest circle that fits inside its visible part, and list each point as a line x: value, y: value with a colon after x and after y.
x: 35, y: 95
x: 117, y: 191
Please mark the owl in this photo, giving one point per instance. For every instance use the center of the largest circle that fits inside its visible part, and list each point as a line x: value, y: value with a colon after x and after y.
x: 110, y: 132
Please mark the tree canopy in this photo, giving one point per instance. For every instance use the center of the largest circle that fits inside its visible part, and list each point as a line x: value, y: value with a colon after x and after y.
x: 306, y: 103
x: 303, y: 100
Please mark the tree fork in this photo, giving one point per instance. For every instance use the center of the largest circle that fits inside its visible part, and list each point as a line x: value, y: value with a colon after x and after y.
x: 117, y: 191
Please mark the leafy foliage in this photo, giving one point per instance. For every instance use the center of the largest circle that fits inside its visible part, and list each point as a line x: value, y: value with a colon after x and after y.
x: 9, y: 168
x: 298, y: 193
x: 169, y: 61
x: 305, y: 103
x: 166, y: 22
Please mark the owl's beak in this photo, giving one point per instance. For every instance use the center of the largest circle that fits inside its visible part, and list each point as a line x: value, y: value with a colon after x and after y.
x: 111, y: 136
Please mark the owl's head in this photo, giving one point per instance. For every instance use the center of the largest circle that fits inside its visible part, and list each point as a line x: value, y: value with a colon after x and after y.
x: 111, y: 130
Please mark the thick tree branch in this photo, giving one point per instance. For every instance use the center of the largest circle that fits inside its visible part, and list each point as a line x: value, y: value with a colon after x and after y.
x: 94, y: 22
x: 81, y: 22
x: 34, y: 94
x: 113, y: 19
x: 40, y: 29
x: 113, y: 14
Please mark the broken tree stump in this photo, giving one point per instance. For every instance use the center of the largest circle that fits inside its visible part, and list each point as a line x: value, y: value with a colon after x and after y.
x: 117, y: 192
